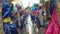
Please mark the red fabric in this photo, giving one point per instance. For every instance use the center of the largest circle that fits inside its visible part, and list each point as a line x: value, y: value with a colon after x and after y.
x: 34, y: 12
x: 19, y: 7
x: 53, y: 27
x: 15, y: 14
x: 24, y: 12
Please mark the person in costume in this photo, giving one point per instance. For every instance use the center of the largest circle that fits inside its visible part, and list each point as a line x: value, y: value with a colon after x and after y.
x: 5, y: 10
x: 7, y: 17
x: 34, y: 12
x: 34, y: 17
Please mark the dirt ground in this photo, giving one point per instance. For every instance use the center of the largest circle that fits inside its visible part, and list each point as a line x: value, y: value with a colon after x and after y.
x: 1, y: 24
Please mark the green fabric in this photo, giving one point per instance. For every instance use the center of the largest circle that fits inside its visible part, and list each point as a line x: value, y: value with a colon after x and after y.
x: 14, y: 9
x: 34, y: 7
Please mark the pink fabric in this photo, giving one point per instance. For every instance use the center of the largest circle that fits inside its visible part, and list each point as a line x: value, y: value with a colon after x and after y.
x: 53, y: 27
x: 49, y: 29
x: 55, y: 16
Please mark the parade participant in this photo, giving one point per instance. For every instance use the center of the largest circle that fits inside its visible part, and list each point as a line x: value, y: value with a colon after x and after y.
x: 34, y: 17
x: 5, y: 26
x: 23, y: 15
x: 38, y: 25
x: 41, y: 30
x: 34, y: 12
x: 40, y: 14
x: 44, y: 18
x: 18, y: 14
x: 7, y: 17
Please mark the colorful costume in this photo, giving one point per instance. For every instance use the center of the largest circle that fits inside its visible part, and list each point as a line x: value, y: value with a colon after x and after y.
x: 7, y: 18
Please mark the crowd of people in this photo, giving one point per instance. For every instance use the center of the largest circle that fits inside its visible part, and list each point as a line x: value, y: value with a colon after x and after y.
x: 17, y: 20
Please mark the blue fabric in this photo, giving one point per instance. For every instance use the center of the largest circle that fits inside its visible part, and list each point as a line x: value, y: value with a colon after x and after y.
x: 20, y: 12
x: 6, y: 10
x: 38, y: 21
x: 42, y: 11
x: 51, y: 6
x: 5, y: 3
x: 33, y: 17
x: 5, y: 27
x: 22, y: 21
x: 24, y: 17
x: 13, y: 29
x: 16, y: 20
x: 22, y: 24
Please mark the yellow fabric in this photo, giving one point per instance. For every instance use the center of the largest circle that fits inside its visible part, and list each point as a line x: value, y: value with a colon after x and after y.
x: 19, y: 16
x: 7, y: 20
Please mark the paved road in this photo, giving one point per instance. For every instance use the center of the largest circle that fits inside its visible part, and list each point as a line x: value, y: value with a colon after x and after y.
x: 41, y: 31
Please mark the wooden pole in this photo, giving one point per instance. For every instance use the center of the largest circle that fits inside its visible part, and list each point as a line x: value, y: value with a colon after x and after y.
x: 19, y: 24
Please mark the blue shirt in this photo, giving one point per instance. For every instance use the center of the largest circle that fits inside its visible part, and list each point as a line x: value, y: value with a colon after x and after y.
x: 6, y: 10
